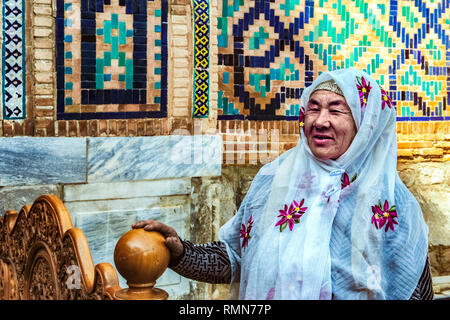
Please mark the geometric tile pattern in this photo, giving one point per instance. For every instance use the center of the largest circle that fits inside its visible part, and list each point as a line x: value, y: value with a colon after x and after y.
x: 111, y: 59
x: 269, y: 51
x: 13, y: 60
x: 201, y: 58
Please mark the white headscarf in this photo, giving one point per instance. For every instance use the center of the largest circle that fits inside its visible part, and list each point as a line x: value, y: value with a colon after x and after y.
x: 358, y: 232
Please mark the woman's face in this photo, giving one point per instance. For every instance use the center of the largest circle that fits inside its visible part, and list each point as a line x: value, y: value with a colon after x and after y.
x: 329, y: 125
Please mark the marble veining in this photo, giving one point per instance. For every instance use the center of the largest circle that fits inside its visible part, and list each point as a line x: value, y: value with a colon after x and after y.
x: 33, y: 161
x: 141, y: 158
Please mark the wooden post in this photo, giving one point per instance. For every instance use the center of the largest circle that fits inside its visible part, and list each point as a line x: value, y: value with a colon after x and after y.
x: 141, y: 257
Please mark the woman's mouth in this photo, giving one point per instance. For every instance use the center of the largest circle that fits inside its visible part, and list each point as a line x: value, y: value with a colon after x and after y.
x: 321, y: 139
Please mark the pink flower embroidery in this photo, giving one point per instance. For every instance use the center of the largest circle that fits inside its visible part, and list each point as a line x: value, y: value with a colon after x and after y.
x: 385, y: 99
x: 245, y: 232
x: 363, y: 89
x: 384, y: 215
x: 345, y: 181
x: 290, y: 216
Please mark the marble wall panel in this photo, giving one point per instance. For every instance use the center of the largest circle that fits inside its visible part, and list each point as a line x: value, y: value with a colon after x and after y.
x: 126, y: 189
x: 38, y: 161
x: 142, y: 158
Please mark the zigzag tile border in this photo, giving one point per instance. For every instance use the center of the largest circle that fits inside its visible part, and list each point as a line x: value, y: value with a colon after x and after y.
x: 201, y: 59
x: 13, y: 60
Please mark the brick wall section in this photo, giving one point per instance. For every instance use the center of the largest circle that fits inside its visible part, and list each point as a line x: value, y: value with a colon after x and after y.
x: 245, y: 142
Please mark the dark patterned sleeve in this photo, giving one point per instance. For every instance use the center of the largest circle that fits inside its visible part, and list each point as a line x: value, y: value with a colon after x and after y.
x: 207, y: 262
x: 424, y: 289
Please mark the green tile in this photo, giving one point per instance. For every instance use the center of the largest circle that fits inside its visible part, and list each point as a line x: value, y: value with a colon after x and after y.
x: 121, y: 59
x: 122, y: 33
x: 107, y: 31
x: 129, y: 67
x: 107, y: 58
x: 129, y: 81
x: 114, y: 21
x: 99, y: 63
x: 115, y: 48
x: 99, y: 78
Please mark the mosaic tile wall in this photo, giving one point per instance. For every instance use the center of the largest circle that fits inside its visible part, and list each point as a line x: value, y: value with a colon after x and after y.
x: 111, y: 59
x: 270, y: 50
x: 13, y: 60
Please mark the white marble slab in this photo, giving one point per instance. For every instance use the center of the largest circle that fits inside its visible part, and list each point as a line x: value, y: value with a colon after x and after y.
x: 145, y: 158
x: 38, y: 161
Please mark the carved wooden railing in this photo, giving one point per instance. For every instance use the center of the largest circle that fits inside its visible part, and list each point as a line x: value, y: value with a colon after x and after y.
x: 42, y: 254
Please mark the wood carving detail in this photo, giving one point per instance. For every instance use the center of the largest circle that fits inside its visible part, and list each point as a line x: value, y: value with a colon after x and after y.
x: 42, y: 256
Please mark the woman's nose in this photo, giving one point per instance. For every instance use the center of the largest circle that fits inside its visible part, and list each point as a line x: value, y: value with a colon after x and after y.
x: 323, y: 119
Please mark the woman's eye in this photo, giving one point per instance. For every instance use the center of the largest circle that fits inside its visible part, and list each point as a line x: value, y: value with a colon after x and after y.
x: 336, y: 111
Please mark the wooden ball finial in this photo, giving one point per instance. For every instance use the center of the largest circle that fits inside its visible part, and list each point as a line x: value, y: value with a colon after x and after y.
x: 141, y: 257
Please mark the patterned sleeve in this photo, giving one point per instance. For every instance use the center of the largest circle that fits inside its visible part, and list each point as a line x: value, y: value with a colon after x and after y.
x: 424, y: 289
x: 207, y: 262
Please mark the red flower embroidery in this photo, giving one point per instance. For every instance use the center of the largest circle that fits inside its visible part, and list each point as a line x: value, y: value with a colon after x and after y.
x: 385, y: 99
x: 384, y: 215
x: 290, y: 216
x: 345, y: 181
x: 363, y: 89
x: 245, y: 232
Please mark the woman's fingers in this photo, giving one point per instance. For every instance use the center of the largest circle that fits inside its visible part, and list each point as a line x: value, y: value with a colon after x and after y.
x: 175, y: 246
x: 152, y: 225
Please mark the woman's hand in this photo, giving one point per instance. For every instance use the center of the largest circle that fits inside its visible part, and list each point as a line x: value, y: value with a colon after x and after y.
x: 172, y: 240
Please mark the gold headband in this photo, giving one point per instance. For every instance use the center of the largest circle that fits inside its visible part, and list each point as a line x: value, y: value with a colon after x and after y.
x: 329, y: 85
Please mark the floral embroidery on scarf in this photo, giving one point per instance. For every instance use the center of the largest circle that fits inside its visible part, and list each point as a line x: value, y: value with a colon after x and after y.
x: 363, y: 89
x: 290, y: 216
x: 245, y: 232
x: 345, y: 181
x: 386, y: 100
x: 384, y: 215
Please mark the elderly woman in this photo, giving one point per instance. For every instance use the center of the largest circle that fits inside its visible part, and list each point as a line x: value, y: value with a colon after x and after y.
x: 328, y: 219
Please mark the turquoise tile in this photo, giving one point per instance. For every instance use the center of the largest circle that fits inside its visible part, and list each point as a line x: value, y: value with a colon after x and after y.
x: 225, y: 77
x: 107, y: 58
x: 68, y: 55
x: 68, y: 101
x: 121, y: 77
x: 114, y: 21
x: 99, y: 65
x: 121, y: 59
x: 67, y: 70
x: 157, y: 13
x: 122, y: 33
x: 99, y: 31
x: 157, y: 70
x: 107, y: 31
x: 68, y: 86
x: 115, y: 47
x: 68, y: 38
x: 99, y: 78
x: 158, y: 56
